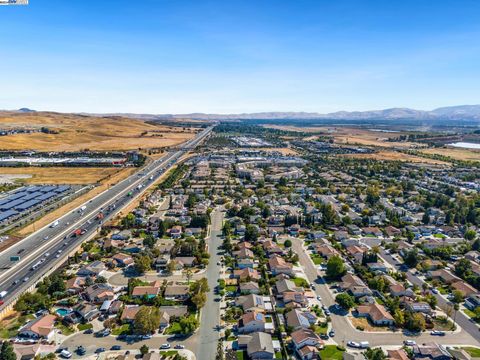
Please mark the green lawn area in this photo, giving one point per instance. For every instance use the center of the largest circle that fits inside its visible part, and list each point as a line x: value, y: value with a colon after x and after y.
x: 241, y: 355
x: 301, y: 282
x: 82, y: 327
x: 474, y: 352
x: 173, y: 328
x: 330, y: 352
x: 169, y: 353
x: 320, y: 329
x: 124, y: 329
x: 439, y: 236
x: 442, y: 324
x: 317, y: 259
x: 66, y: 330
x: 231, y: 288
x: 442, y: 290
x: 9, y: 328
x: 471, y: 314
x: 278, y: 355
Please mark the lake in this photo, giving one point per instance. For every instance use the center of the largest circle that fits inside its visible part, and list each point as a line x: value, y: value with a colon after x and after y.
x: 465, y: 145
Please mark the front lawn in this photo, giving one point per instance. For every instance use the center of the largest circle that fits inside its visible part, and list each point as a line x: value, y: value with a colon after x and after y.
x: 65, y: 330
x: 317, y: 259
x: 123, y: 329
x: 471, y: 314
x: 82, y: 327
x: 240, y: 355
x: 231, y: 288
x: 320, y: 329
x: 331, y: 352
x: 472, y: 351
x: 174, y: 328
x: 301, y: 282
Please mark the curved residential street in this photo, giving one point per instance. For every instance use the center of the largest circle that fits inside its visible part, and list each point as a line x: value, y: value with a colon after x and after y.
x: 344, y: 331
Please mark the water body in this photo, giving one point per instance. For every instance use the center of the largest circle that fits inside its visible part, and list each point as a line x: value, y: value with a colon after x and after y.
x: 465, y: 145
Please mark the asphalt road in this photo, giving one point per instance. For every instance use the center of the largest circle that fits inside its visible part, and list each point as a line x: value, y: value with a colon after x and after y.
x: 41, y: 250
x: 344, y: 331
x: 209, y: 332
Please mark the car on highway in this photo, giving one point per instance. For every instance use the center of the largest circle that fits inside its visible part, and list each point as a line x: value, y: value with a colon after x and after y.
x: 165, y: 346
x: 437, y: 333
x: 410, y: 342
x: 25, y: 279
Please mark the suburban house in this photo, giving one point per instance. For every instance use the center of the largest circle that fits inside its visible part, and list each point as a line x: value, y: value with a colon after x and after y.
x: 260, y: 347
x: 39, y: 328
x: 376, y: 313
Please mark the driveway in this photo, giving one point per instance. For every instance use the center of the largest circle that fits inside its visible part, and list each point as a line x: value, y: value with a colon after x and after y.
x: 344, y: 331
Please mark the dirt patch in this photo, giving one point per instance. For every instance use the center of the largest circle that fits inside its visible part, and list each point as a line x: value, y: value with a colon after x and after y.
x: 366, y: 325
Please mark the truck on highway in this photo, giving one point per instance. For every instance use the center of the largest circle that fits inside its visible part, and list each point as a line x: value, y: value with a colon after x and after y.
x: 2, y: 296
x: 54, y: 224
x: 100, y: 216
x: 77, y: 232
x: 14, y: 258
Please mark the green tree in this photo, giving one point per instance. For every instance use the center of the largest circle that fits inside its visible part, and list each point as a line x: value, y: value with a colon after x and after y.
x: 199, y: 300
x: 345, y: 301
x: 372, y: 195
x: 149, y: 241
x: 470, y: 234
x: 335, y: 267
x: 410, y: 258
x: 287, y: 243
x: 457, y: 296
x: 6, y: 351
x: 143, y: 263
x: 251, y: 233
x: 144, y: 349
x: 147, y: 320
x: 375, y: 354
x: 188, y: 324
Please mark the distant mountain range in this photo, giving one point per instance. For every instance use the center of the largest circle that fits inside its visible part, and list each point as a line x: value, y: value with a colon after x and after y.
x: 461, y: 113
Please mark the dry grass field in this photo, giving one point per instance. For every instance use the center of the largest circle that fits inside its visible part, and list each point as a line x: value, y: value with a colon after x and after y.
x: 61, y: 175
x: 455, y: 153
x: 397, y: 156
x: 78, y: 132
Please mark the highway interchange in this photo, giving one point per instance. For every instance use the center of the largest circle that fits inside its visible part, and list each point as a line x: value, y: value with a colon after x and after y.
x: 45, y: 248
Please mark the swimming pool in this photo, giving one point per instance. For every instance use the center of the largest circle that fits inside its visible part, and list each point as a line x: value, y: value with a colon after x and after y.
x: 63, y: 312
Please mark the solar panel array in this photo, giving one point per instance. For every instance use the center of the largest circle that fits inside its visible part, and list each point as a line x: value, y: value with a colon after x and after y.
x: 27, y: 198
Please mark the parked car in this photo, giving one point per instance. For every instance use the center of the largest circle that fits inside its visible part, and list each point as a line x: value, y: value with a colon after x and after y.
x: 353, y: 344
x: 100, y: 350
x: 437, y: 333
x: 81, y: 350
x: 116, y: 347
x: 66, y: 354
x: 410, y: 342
x: 331, y: 333
x: 179, y: 346
x: 165, y: 346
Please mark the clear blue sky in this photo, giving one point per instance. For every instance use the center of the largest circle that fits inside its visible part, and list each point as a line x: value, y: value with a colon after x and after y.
x: 234, y: 56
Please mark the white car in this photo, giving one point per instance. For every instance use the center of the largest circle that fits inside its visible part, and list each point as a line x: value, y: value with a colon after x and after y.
x: 353, y: 344
x: 410, y: 342
x: 66, y: 354
x: 319, y: 298
x: 434, y: 290
x: 165, y: 346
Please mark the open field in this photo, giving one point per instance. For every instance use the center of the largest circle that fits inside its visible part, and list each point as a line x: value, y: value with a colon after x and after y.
x: 78, y: 132
x: 59, y: 175
x: 396, y: 156
x: 106, y: 181
x: 455, y: 153
x: 352, y: 135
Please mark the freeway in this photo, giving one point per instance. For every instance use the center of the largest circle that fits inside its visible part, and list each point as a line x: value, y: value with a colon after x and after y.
x: 42, y: 250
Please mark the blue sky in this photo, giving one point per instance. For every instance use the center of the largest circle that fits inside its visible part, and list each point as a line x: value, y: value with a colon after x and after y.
x: 230, y: 56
